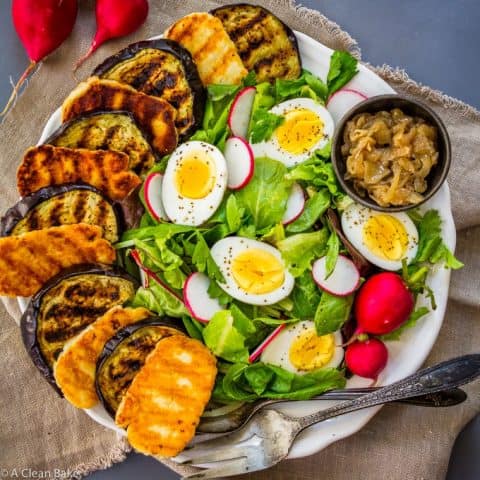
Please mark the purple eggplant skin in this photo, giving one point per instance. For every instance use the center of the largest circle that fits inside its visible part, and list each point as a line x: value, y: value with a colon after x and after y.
x: 29, y: 320
x: 120, y: 337
x: 191, y: 74
x: 16, y: 213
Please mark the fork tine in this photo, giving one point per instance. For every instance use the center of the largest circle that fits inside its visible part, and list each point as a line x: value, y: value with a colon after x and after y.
x: 236, y: 466
x: 231, y: 452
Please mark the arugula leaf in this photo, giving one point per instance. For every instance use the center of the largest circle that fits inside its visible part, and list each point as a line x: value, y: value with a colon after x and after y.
x: 247, y: 383
x: 332, y: 312
x: 333, y: 245
x: 301, y: 249
x: 234, y: 214
x: 193, y: 328
x: 264, y: 198
x: 412, y: 321
x: 223, y: 338
x: 315, y: 207
x: 159, y: 300
x: 431, y: 247
x: 343, y: 67
x: 203, y: 260
x: 305, y: 296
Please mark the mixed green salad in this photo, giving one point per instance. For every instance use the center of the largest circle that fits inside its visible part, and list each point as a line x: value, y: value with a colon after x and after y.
x: 285, y: 346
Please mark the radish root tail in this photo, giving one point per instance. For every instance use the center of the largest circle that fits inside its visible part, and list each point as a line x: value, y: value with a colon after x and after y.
x: 16, y: 88
x: 92, y: 48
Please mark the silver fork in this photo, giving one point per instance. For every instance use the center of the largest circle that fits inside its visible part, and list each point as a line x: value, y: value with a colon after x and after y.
x: 267, y: 438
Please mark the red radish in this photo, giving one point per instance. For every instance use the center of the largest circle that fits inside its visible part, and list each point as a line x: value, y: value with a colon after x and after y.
x: 195, y: 296
x: 344, y: 279
x: 366, y: 359
x: 295, y: 204
x: 115, y: 19
x: 152, y: 193
x: 151, y: 274
x: 42, y: 26
x: 383, y: 304
x: 258, y: 351
x: 342, y: 101
x: 240, y: 111
x: 240, y: 162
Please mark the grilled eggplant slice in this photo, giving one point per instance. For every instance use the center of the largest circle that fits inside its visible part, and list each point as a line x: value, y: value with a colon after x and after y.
x: 162, y: 68
x: 154, y: 115
x: 66, y: 305
x: 115, y: 130
x: 265, y: 44
x: 124, y: 355
x: 63, y: 205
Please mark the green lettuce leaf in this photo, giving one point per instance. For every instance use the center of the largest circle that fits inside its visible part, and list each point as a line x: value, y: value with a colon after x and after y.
x: 412, y: 321
x: 264, y: 198
x: 159, y: 300
x: 315, y: 207
x: 305, y: 297
x: 333, y: 250
x: 249, y: 382
x: 224, y: 339
x: 306, y: 85
x: 301, y: 249
x: 343, y: 67
x: 203, y: 260
x: 332, y: 312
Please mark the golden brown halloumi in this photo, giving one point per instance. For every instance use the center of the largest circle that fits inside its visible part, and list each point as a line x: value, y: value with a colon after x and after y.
x: 75, y: 367
x: 212, y: 50
x: 46, y: 165
x: 27, y: 261
x: 155, y: 115
x: 162, y: 406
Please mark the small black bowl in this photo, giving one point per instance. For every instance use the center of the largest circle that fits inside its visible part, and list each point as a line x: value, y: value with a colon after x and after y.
x: 437, y: 175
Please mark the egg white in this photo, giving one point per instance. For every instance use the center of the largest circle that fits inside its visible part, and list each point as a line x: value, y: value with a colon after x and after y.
x: 272, y: 149
x: 353, y: 221
x: 225, y: 251
x: 278, y: 351
x: 193, y: 211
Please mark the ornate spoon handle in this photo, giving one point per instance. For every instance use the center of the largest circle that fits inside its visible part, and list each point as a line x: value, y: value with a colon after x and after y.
x: 443, y: 376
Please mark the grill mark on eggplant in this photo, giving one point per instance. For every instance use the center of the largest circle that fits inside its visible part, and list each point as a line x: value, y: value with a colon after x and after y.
x: 108, y: 136
x: 55, y: 213
x: 79, y: 208
x: 141, y: 80
x: 244, y: 27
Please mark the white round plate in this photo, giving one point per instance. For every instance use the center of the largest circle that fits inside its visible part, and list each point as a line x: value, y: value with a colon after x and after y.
x: 405, y: 356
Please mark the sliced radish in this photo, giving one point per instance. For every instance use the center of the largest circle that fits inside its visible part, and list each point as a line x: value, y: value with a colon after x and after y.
x: 344, y: 279
x: 240, y: 162
x: 295, y: 204
x: 258, y: 351
x: 240, y: 111
x: 195, y: 295
x: 152, y: 193
x: 342, y: 101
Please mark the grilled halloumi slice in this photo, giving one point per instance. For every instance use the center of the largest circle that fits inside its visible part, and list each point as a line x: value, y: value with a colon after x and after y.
x: 162, y: 406
x: 211, y: 48
x: 154, y: 115
x: 75, y: 367
x: 27, y: 261
x: 46, y: 165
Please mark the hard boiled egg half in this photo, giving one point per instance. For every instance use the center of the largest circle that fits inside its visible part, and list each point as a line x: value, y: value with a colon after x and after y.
x: 299, y: 349
x: 194, y: 183
x: 307, y: 127
x: 384, y: 239
x: 254, y: 272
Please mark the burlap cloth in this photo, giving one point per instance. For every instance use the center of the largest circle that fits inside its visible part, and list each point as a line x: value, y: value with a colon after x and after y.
x: 41, y: 432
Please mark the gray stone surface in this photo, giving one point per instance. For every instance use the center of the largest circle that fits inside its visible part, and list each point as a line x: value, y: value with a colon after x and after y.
x: 436, y: 41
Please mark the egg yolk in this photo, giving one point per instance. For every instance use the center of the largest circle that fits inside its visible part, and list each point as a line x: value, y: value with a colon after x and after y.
x: 309, y: 351
x: 195, y: 176
x: 257, y: 271
x: 386, y: 237
x: 301, y: 130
